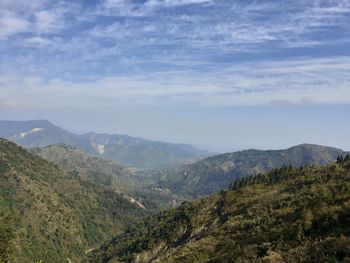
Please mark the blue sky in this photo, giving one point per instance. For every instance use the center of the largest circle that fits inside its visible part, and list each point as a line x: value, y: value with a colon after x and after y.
x: 222, y: 75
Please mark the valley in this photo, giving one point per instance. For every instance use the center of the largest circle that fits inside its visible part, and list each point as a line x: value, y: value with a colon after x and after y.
x: 59, y: 203
x: 286, y: 215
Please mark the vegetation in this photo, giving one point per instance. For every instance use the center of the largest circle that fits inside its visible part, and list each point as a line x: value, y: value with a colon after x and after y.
x: 287, y: 215
x: 96, y: 170
x: 217, y: 172
x: 6, y: 232
x: 127, y: 181
x: 54, y: 214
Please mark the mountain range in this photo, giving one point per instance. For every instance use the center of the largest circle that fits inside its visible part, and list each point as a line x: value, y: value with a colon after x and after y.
x: 178, y: 169
x: 294, y: 215
x: 59, y: 203
x: 215, y: 173
x: 136, y: 152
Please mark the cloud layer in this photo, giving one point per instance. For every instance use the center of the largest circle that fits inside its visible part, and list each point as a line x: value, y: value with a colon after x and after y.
x: 206, y: 52
x: 299, y: 81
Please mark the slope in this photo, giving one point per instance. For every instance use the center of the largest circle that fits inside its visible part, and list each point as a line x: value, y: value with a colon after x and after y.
x: 288, y: 215
x: 99, y: 171
x: 215, y: 173
x: 133, y: 184
x: 56, y: 214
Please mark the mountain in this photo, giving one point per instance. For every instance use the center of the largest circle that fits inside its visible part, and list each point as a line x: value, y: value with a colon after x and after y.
x: 215, y: 173
x: 138, y: 186
x: 294, y: 215
x: 136, y: 152
x: 96, y: 170
x: 141, y: 153
x: 49, y: 214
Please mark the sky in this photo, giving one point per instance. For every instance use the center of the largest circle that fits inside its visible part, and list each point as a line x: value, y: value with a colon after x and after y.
x: 223, y: 75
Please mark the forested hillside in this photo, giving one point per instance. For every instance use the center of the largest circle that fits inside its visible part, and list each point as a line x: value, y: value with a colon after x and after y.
x: 215, y: 173
x: 132, y: 183
x: 99, y: 171
x: 287, y: 215
x: 51, y: 215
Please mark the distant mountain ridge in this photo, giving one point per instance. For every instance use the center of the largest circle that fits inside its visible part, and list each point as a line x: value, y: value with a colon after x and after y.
x: 136, y: 152
x: 215, y: 173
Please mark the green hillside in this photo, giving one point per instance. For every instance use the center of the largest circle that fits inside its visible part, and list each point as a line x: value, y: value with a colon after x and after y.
x: 140, y: 185
x: 99, y: 171
x: 215, y: 173
x: 54, y: 215
x: 287, y: 215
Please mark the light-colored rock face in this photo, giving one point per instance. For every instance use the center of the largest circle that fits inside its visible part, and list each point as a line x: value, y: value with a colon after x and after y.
x: 133, y: 201
x: 228, y: 166
x: 148, y: 256
x: 99, y: 148
x: 24, y: 134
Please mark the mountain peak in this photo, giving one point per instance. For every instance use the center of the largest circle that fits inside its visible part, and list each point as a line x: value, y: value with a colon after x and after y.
x: 312, y: 146
x: 215, y: 173
x: 131, y: 151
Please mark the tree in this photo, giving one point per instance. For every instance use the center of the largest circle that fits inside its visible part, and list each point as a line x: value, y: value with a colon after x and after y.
x: 340, y: 159
x: 307, y: 217
x: 6, y: 235
x: 347, y: 158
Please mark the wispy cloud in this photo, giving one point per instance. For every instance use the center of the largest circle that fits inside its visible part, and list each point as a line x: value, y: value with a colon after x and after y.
x: 181, y: 50
x: 139, y: 9
x: 292, y: 81
x: 198, y: 25
x: 10, y: 24
x: 34, y: 17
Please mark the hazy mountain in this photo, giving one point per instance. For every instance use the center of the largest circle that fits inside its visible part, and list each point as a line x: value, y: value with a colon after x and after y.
x: 215, y: 173
x: 288, y: 215
x: 143, y: 153
x: 133, y: 184
x: 53, y: 215
x: 126, y: 150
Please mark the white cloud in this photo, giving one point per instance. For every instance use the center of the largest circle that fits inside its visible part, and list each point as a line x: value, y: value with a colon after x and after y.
x: 11, y: 24
x: 294, y: 81
x: 131, y: 9
x: 173, y: 3
x: 38, y: 41
x: 47, y: 21
x: 34, y: 17
x: 221, y: 26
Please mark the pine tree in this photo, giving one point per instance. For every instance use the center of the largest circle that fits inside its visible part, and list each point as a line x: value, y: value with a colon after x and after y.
x: 347, y: 158
x: 340, y: 159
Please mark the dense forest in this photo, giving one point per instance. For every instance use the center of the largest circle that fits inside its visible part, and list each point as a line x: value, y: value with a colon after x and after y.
x: 286, y: 215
